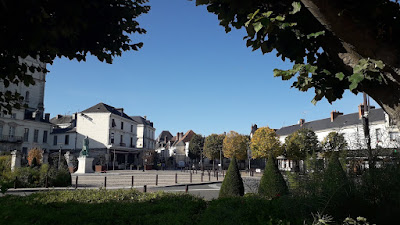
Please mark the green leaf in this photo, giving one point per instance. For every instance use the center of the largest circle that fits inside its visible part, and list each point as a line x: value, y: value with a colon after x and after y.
x: 340, y: 76
x: 296, y: 7
x: 257, y: 26
x: 280, y: 18
x: 355, y: 79
x: 316, y: 34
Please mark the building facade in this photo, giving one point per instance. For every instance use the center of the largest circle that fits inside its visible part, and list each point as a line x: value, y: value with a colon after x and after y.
x: 28, y: 127
x: 113, y: 136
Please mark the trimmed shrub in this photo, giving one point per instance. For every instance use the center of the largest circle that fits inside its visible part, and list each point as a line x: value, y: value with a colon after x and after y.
x: 335, y: 181
x: 272, y: 183
x: 233, y: 183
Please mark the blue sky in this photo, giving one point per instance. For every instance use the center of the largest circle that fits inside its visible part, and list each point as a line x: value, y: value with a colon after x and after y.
x: 189, y: 74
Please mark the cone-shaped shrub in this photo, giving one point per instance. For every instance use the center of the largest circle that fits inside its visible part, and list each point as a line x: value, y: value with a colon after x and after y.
x: 335, y: 181
x: 272, y: 183
x: 233, y: 183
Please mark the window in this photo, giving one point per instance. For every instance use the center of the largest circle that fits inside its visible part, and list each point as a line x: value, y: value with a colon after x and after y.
x: 131, y: 142
x: 122, y: 139
x: 55, y: 140
x: 66, y: 139
x: 1, y: 130
x: 26, y: 134
x: 112, y: 138
x: 11, y: 131
x: 14, y: 115
x: 393, y: 136
x: 131, y: 128
x: 113, y: 123
x: 378, y: 134
x: 35, y: 136
x: 24, y: 151
x: 27, y: 96
x: 45, y: 136
x: 122, y: 125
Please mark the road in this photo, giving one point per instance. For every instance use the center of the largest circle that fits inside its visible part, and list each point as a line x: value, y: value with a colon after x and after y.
x: 206, y: 191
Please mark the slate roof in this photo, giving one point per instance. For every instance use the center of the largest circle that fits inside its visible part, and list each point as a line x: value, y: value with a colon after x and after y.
x: 340, y: 121
x: 63, y: 130
x: 104, y: 108
x: 164, y: 134
x: 141, y: 120
x: 60, y: 119
x: 186, y: 138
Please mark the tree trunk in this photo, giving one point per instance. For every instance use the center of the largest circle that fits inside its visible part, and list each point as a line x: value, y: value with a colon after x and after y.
x: 359, y: 40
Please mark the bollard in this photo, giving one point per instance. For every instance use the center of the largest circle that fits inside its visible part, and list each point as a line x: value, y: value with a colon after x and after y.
x: 186, y: 188
x: 105, y: 182
x: 132, y: 181
x: 217, y: 175
x: 15, y: 182
x: 202, y: 174
x: 47, y: 182
x: 145, y: 188
x: 209, y: 176
x: 156, y: 179
x: 76, y: 182
x: 190, y: 177
x: 196, y: 170
x: 176, y: 178
x: 223, y: 173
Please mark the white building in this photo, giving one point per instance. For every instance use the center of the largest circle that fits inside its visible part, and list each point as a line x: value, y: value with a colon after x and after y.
x: 26, y: 128
x: 145, y: 133
x: 176, y: 147
x: 113, y: 135
x: 384, y: 134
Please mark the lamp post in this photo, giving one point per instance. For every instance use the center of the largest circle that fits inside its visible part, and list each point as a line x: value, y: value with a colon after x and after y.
x: 59, y: 157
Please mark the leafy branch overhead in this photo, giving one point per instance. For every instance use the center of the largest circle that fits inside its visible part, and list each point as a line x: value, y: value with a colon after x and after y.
x: 72, y: 29
x: 334, y: 45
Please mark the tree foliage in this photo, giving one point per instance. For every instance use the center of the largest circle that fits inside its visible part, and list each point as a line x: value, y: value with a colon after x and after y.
x: 264, y: 142
x: 334, y: 142
x: 301, y: 143
x: 45, y: 30
x: 213, y: 146
x: 233, y: 183
x: 235, y: 145
x: 35, y: 156
x: 334, y: 45
x: 195, y: 146
x: 272, y: 184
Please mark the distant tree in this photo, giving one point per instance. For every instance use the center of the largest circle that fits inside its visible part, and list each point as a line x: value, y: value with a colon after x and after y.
x: 334, y: 142
x: 301, y: 143
x: 264, y: 143
x: 233, y: 183
x: 235, y: 145
x: 213, y: 146
x: 45, y: 30
x: 195, y: 146
x: 35, y: 156
x: 272, y: 184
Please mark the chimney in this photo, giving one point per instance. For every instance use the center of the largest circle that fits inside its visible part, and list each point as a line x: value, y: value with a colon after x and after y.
x: 301, y: 122
x: 360, y: 111
x: 59, y: 116
x: 145, y: 117
x: 335, y: 114
x: 120, y: 110
x: 47, y: 117
x: 177, y: 136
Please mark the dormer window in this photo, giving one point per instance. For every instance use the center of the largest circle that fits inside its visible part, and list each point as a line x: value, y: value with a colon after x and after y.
x: 122, y: 125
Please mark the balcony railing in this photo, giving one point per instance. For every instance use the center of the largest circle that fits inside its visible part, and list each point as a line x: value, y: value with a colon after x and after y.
x: 122, y: 144
x: 10, y: 138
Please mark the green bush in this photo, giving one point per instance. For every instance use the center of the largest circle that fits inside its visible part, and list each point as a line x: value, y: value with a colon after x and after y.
x: 272, y: 183
x: 233, y: 183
